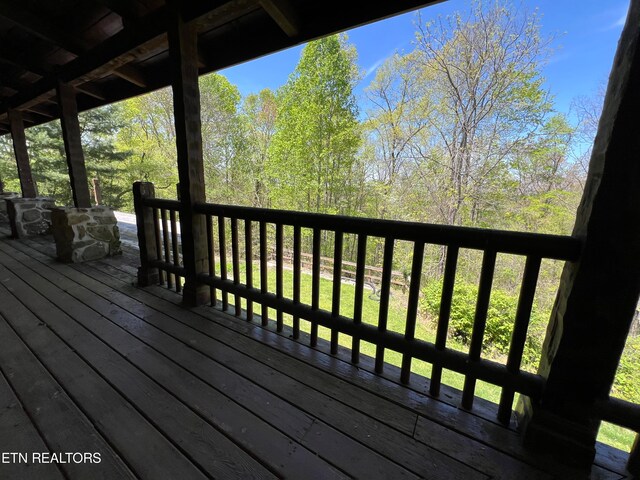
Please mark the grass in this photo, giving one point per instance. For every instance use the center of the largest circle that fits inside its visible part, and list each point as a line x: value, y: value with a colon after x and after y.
x: 425, y: 330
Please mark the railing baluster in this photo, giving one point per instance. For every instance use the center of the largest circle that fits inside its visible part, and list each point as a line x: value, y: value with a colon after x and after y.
x: 519, y: 336
x: 212, y: 257
x: 248, y: 253
x: 223, y: 259
x: 279, y: 274
x: 443, y: 317
x: 337, y: 284
x: 412, y: 307
x: 296, y: 277
x: 385, y: 286
x: 175, y: 247
x: 264, y: 286
x: 315, y: 285
x: 358, y: 295
x: 165, y: 241
x: 235, y: 263
x: 156, y: 227
x: 479, y: 323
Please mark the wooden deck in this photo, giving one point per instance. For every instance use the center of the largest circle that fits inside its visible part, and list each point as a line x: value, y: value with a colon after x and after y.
x: 90, y: 363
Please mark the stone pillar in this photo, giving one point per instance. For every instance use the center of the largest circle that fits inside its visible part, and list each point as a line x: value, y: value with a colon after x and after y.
x: 183, y: 54
x: 598, y: 294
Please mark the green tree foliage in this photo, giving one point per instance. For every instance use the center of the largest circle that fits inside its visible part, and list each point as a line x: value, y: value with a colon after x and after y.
x: 312, y: 161
x: 259, y: 113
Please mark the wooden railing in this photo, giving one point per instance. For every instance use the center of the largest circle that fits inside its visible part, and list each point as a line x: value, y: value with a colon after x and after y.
x: 162, y: 217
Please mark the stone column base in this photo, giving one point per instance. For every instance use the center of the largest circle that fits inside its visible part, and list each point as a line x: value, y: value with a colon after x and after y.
x: 29, y: 216
x: 4, y: 216
x: 84, y: 234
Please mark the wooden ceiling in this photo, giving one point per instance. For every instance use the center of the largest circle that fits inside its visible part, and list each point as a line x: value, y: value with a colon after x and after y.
x: 110, y: 50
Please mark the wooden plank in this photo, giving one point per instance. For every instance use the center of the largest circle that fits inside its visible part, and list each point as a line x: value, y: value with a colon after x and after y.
x: 212, y: 257
x: 27, y: 185
x: 285, y: 457
x: 63, y: 427
x: 208, y: 449
x: 73, y: 145
x: 18, y: 434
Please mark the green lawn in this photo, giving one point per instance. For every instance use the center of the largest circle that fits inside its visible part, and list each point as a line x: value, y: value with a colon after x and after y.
x: 610, y: 434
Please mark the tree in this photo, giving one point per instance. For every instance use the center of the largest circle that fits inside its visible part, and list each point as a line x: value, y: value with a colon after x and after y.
x: 227, y: 176
x: 260, y: 112
x: 482, y: 88
x: 313, y: 154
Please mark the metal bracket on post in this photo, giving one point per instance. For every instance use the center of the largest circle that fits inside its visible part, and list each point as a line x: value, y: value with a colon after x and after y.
x: 147, y: 275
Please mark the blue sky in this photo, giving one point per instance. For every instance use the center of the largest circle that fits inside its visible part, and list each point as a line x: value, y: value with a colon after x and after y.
x: 587, y: 33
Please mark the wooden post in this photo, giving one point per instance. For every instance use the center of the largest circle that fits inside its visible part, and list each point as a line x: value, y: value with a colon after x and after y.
x: 97, y: 191
x: 598, y: 295
x: 634, y: 458
x: 27, y: 185
x: 183, y: 54
x: 73, y: 145
x: 147, y: 244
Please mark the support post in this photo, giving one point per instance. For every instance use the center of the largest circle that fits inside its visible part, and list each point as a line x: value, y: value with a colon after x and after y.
x: 633, y: 466
x: 97, y: 191
x: 598, y: 294
x: 73, y: 145
x: 27, y: 185
x: 146, y: 234
x: 183, y: 54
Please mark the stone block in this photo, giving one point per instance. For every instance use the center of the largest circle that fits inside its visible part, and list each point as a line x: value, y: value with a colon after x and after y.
x: 29, y: 216
x: 84, y: 234
x: 4, y: 216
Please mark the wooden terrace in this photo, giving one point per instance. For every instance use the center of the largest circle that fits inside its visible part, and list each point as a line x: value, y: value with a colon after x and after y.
x: 91, y: 363
x: 100, y: 357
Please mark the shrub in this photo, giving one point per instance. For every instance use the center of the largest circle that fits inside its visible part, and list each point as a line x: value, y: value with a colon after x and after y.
x: 500, y: 317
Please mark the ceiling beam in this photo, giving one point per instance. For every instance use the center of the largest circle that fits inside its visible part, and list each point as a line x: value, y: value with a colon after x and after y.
x: 131, y: 75
x: 91, y: 90
x: 282, y: 12
x: 40, y: 28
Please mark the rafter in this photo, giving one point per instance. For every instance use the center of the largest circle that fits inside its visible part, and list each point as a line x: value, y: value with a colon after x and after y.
x: 283, y: 13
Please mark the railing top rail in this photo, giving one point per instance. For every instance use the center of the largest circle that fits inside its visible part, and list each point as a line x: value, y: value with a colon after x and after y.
x: 522, y: 243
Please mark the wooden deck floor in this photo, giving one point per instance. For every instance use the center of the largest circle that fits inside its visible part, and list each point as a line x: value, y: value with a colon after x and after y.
x: 90, y: 363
